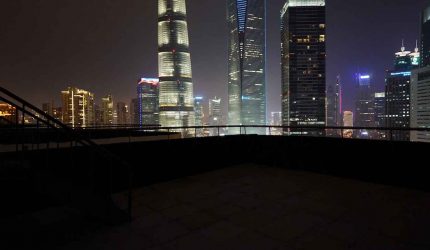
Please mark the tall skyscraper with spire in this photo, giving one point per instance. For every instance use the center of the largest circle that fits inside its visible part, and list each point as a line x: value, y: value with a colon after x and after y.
x: 334, y: 106
x: 174, y: 62
x: 398, y: 92
x: 247, y: 63
x: 303, y: 41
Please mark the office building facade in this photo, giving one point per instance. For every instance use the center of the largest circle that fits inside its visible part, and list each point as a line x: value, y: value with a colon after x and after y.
x: 78, y: 107
x: 215, y: 115
x: 397, y: 92
x: 364, y: 108
x: 303, y: 45
x: 107, y: 111
x: 334, y: 107
x: 246, y: 63
x: 148, y: 107
x: 122, y: 111
x: 420, y: 104
x: 348, y: 121
x: 199, y: 110
x: 135, y: 112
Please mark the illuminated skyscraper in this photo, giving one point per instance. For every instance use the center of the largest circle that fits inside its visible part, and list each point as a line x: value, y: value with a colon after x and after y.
x: 420, y: 86
x: 398, y: 92
x: 215, y: 112
x: 379, y: 109
x: 198, y: 110
x: 148, y: 107
x: 122, y: 113
x: 303, y: 35
x: 215, y: 117
x: 276, y: 120
x: 420, y: 104
x: 78, y: 107
x: 334, y: 106
x: 247, y: 63
x: 348, y: 121
x: 364, y: 113
x: 425, y: 38
x: 134, y: 112
x: 57, y: 113
x: 107, y: 111
x: 176, y: 88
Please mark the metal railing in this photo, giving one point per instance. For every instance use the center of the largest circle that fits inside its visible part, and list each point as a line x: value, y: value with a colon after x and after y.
x: 46, y: 131
x: 373, y: 133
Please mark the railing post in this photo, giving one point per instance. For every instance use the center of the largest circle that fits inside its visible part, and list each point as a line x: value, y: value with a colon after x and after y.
x: 23, y: 114
x: 38, y: 135
x: 130, y: 192
x: 218, y: 132
x: 195, y: 132
x: 58, y: 139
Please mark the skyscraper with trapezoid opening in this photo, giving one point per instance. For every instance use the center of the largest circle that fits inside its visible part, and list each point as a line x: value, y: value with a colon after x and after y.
x: 246, y: 64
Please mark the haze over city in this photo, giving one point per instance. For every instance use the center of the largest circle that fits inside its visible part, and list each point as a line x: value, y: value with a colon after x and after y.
x: 105, y: 46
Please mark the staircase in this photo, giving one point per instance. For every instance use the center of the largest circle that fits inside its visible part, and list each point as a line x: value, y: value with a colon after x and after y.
x: 54, y: 182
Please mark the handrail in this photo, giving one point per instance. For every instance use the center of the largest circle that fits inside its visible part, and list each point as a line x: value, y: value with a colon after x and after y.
x: 41, y: 117
x: 138, y: 127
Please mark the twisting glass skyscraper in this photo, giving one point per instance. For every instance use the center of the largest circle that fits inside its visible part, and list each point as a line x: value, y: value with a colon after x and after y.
x: 174, y: 61
x: 304, y: 63
x: 247, y: 61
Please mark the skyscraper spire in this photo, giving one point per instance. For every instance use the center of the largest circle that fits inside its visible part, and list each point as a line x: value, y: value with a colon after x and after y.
x: 403, y: 45
x: 416, y: 46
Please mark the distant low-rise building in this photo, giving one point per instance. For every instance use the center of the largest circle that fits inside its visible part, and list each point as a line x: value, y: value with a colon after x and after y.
x: 78, y: 107
x: 122, y: 111
x: 7, y: 113
x: 107, y: 111
x: 348, y: 121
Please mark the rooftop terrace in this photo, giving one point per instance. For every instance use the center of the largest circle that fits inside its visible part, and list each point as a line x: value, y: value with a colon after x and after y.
x: 232, y: 192
x: 257, y: 207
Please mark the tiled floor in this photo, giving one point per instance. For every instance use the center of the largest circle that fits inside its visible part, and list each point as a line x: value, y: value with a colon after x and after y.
x: 252, y: 207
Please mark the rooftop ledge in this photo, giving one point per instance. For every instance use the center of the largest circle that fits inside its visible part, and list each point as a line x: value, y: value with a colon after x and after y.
x: 244, y: 192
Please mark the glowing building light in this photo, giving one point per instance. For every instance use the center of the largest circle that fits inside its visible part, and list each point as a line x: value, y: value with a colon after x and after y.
x: 401, y: 73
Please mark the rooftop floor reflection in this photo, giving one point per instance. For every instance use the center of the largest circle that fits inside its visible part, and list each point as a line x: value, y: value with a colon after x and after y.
x: 255, y: 207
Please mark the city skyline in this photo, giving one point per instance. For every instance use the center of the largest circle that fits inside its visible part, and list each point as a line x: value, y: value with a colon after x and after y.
x: 45, y: 68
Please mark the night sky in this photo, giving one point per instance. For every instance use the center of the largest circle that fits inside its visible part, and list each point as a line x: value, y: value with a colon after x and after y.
x: 105, y: 45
